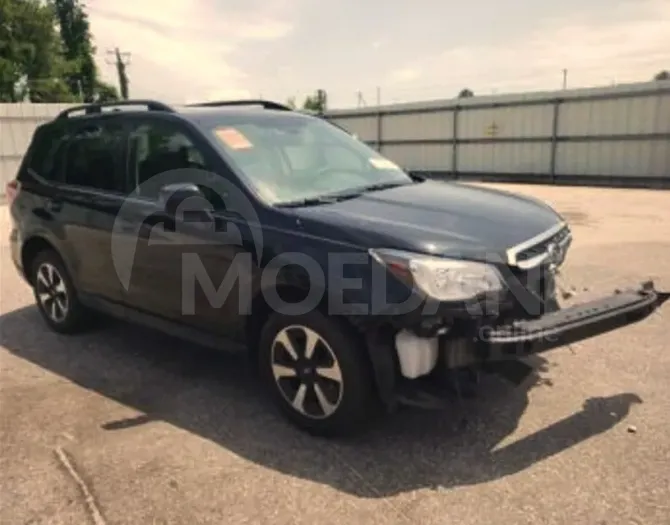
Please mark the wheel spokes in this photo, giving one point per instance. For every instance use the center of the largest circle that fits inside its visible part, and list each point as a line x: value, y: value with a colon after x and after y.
x: 51, y: 292
x: 53, y: 308
x: 306, y: 371
x: 42, y: 277
x: 286, y: 342
x: 281, y: 371
x: 332, y: 372
x: 299, y: 399
x: 61, y: 305
x: 326, y: 406
x: 50, y: 274
x: 60, y: 287
x: 311, y: 340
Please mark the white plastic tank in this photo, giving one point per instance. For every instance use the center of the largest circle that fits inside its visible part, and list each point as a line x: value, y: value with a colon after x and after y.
x: 417, y: 355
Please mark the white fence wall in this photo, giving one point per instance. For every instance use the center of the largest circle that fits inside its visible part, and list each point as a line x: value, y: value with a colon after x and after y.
x: 17, y: 124
x: 617, y: 134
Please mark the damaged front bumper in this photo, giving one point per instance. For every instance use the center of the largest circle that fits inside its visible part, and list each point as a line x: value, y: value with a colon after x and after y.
x: 552, y: 330
x: 420, y: 372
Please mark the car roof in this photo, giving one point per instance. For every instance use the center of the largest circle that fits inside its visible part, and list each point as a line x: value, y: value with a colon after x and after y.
x: 214, y: 115
x: 198, y: 111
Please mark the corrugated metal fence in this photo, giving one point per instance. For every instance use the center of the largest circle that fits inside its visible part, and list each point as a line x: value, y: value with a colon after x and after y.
x: 17, y: 124
x: 617, y: 135
x: 614, y: 135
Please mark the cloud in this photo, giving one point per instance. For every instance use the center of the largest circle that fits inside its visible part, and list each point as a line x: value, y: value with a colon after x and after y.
x: 630, y: 44
x: 182, y: 50
x: 405, y: 74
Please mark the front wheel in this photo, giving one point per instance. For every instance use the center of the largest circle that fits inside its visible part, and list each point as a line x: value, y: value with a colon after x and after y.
x: 316, y: 370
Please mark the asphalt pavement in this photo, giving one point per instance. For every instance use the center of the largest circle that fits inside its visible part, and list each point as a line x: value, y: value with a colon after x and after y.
x: 125, y: 426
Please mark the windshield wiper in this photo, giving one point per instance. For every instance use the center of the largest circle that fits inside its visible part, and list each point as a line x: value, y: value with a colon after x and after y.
x: 357, y: 192
x: 382, y: 186
x: 337, y: 197
x: 311, y: 201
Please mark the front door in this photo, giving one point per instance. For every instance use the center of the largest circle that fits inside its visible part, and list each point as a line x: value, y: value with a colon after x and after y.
x: 180, y: 261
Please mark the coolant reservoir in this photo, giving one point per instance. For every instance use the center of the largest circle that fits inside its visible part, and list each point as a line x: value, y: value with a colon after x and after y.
x: 417, y: 355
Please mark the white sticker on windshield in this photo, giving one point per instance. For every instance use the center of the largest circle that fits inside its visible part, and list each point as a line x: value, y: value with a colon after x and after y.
x: 383, y: 164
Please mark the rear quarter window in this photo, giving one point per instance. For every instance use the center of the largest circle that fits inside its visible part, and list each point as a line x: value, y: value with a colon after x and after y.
x: 46, y: 152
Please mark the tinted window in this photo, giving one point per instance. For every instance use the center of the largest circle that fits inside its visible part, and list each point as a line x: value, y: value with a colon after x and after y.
x: 47, y: 152
x: 94, y: 157
x: 159, y: 147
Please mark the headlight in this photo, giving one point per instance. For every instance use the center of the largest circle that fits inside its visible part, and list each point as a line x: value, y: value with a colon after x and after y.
x: 441, y: 278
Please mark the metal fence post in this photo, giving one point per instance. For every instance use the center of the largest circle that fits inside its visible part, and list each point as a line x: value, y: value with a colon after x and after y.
x: 554, y: 139
x: 379, y: 131
x: 454, y: 144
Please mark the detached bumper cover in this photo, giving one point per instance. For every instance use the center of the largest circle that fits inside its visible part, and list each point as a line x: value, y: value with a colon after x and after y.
x: 573, y: 324
x: 556, y: 329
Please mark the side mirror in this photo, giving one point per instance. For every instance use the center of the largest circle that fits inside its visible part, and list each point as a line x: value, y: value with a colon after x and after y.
x: 182, y: 201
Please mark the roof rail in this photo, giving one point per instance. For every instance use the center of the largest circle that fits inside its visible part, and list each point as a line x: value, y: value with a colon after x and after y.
x: 266, y: 104
x: 96, y: 107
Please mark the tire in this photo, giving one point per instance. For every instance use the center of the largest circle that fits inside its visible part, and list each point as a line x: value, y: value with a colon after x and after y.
x: 55, y: 295
x: 336, y: 385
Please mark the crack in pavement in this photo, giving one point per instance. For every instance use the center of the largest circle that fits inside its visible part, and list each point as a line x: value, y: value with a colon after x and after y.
x: 89, y: 499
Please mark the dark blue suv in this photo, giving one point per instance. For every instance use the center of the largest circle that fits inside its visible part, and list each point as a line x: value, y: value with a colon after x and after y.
x: 353, y: 285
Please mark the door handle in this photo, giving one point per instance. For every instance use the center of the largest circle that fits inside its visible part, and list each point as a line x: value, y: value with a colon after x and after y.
x: 54, y: 206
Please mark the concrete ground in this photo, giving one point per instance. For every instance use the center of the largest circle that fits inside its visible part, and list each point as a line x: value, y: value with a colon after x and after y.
x: 124, y: 426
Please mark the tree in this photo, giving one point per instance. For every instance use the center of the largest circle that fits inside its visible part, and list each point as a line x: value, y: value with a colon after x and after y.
x: 662, y: 75
x: 317, y: 102
x: 31, y: 63
x: 290, y: 102
x: 466, y: 93
x: 106, y: 92
x: 78, y: 48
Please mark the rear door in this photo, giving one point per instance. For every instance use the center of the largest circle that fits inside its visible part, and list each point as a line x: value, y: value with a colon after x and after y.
x: 92, y: 191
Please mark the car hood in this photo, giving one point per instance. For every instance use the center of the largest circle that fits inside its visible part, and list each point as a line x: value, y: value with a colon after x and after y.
x: 444, y: 218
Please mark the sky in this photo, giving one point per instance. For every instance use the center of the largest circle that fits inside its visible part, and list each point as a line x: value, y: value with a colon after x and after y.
x: 359, y: 50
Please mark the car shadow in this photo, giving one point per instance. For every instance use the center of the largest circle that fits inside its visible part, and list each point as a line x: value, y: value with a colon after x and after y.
x: 216, y: 396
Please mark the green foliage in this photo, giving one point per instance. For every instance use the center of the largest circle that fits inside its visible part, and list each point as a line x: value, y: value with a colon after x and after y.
x: 106, y: 92
x: 78, y: 47
x: 29, y: 51
x: 47, y: 54
x: 662, y: 75
x: 317, y: 102
x: 466, y: 93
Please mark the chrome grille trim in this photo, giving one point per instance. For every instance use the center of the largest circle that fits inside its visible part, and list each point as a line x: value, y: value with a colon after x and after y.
x: 514, y: 252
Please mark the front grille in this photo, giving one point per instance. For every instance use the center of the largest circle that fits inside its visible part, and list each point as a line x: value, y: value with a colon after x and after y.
x: 533, y: 292
x: 561, y: 238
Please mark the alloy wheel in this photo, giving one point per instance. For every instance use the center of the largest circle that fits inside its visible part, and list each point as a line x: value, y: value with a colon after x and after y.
x: 307, y: 372
x: 52, y: 292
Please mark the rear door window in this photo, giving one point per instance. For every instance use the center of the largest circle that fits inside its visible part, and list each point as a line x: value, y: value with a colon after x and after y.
x: 95, y: 157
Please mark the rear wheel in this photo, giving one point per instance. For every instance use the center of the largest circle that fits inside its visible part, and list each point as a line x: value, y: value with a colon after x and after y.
x: 55, y: 294
x: 316, y: 370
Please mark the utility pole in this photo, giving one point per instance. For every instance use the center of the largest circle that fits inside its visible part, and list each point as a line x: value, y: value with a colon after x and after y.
x: 379, y: 96
x: 120, y: 61
x: 360, y: 100
x: 565, y: 79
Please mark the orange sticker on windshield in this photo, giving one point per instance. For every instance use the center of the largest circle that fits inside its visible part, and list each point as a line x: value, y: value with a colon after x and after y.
x: 233, y: 138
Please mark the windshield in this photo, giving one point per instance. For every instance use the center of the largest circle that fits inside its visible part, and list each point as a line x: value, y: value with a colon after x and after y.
x: 290, y: 158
